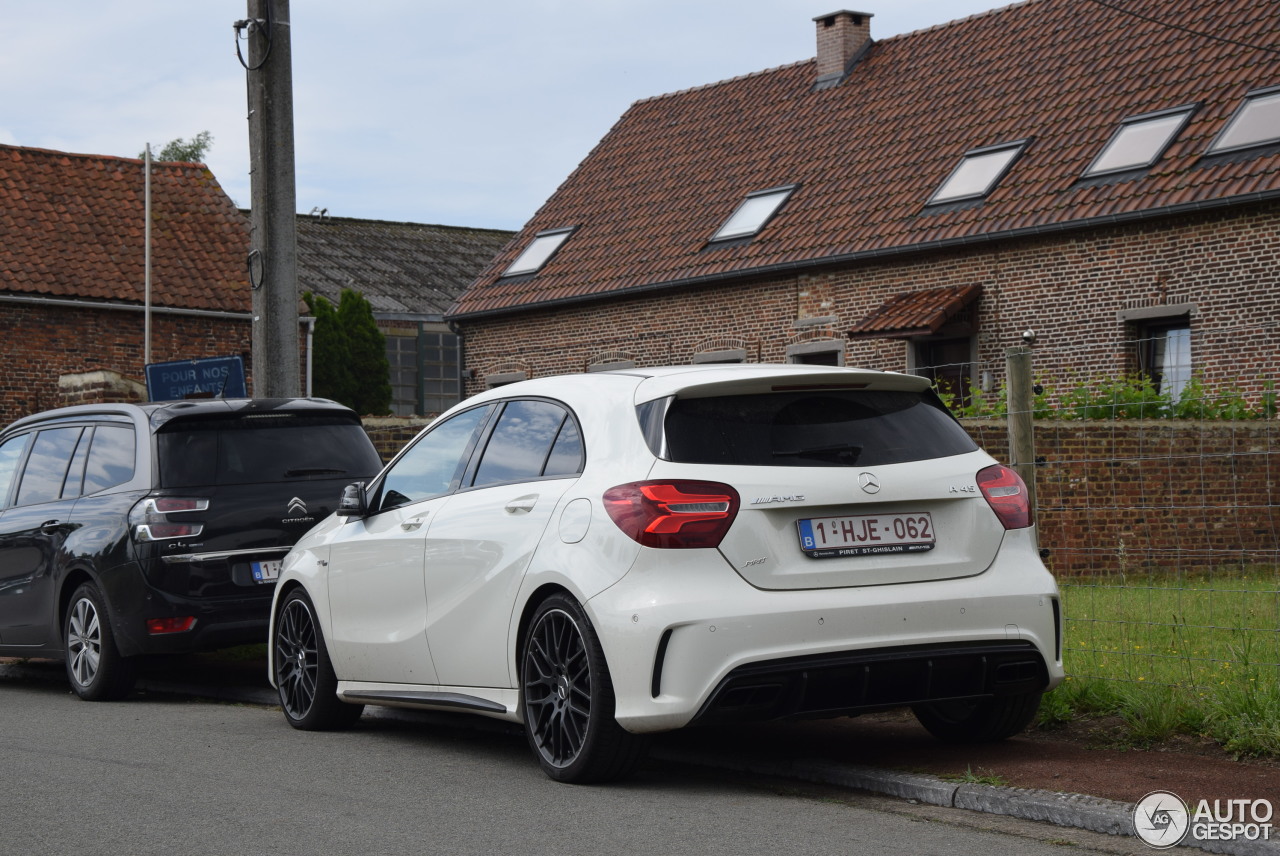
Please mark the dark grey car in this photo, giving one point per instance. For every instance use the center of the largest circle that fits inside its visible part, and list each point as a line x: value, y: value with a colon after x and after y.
x: 136, y: 529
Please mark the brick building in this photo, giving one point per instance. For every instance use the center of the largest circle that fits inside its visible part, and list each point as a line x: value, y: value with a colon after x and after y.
x: 1106, y: 177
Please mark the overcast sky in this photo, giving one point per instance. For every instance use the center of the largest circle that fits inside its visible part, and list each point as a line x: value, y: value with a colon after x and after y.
x: 421, y: 111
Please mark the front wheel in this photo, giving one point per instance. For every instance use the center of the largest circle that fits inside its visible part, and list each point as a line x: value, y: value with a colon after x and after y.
x: 95, y: 667
x: 983, y: 721
x: 305, y: 679
x: 568, y: 702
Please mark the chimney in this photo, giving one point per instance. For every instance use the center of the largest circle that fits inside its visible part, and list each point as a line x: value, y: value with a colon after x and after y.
x: 842, y: 38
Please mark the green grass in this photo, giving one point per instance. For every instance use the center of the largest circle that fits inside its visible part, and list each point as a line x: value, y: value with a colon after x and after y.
x: 1185, y: 654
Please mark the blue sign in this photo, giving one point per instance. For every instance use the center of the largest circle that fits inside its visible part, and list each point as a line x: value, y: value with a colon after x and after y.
x: 216, y: 377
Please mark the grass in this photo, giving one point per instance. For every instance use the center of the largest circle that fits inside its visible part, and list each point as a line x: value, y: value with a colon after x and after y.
x: 1182, y: 654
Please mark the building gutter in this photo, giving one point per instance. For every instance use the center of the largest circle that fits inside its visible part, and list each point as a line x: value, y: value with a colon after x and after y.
x: 881, y: 254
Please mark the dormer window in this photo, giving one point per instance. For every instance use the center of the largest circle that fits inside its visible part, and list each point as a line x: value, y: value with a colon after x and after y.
x: 539, y: 252
x: 979, y: 171
x: 753, y: 213
x: 1140, y: 141
x: 1256, y: 123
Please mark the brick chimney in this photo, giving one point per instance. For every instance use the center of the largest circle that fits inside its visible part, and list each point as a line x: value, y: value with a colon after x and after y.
x: 842, y: 38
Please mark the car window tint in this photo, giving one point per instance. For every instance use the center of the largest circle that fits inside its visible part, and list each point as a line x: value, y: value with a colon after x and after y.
x: 75, y: 473
x: 813, y: 429
x: 10, y: 456
x: 429, y: 467
x: 520, y: 443
x: 567, y: 453
x: 47, y: 467
x: 111, y: 458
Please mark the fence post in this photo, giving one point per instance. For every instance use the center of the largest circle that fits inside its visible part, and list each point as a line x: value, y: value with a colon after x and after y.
x: 1022, y: 446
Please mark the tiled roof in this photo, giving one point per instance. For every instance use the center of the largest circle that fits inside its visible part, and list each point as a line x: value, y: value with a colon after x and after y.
x: 71, y: 227
x: 868, y: 153
x: 400, y: 268
x: 916, y: 313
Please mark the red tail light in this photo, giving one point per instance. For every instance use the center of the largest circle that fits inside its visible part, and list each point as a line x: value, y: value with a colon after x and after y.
x: 673, y: 514
x: 1006, y: 493
x: 160, y: 626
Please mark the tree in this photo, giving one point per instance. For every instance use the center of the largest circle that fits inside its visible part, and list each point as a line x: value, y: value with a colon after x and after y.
x: 181, y: 150
x: 349, y: 361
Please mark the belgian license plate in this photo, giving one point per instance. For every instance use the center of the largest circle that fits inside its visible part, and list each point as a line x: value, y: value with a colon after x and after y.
x: 866, y: 535
x: 266, y: 572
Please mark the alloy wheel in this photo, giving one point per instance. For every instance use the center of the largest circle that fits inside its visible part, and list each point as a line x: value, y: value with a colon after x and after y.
x: 297, y: 658
x: 84, y: 641
x: 557, y: 687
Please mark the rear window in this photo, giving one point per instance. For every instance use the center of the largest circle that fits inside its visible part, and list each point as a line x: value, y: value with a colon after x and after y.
x: 812, y: 429
x: 254, y: 449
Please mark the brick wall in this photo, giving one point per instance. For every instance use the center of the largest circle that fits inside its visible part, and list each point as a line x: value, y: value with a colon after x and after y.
x: 1068, y: 287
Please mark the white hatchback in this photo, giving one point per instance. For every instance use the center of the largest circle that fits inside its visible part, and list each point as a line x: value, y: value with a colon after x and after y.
x: 605, y: 555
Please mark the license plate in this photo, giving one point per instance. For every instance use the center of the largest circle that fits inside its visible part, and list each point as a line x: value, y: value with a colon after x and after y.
x: 866, y: 535
x: 266, y: 572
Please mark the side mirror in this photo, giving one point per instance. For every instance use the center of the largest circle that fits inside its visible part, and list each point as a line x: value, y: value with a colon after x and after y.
x: 353, y: 502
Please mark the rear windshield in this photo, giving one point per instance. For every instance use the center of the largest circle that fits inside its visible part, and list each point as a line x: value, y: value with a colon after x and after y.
x: 248, y: 450
x: 813, y: 429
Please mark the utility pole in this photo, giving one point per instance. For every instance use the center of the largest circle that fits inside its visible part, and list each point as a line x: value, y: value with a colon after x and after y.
x: 273, y: 259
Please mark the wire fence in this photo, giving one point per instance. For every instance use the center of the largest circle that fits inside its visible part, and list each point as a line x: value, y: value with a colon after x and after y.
x: 1157, y: 479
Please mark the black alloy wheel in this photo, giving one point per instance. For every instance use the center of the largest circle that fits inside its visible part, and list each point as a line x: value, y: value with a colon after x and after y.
x: 568, y: 701
x: 304, y: 675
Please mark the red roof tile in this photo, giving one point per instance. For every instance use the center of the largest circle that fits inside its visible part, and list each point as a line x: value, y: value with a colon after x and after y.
x: 868, y: 153
x: 73, y: 228
x: 916, y: 313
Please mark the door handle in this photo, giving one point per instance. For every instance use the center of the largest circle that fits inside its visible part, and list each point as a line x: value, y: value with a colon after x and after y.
x: 50, y: 526
x: 522, y: 505
x: 414, y: 523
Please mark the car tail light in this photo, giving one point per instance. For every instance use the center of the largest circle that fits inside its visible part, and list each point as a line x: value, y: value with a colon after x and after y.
x: 1007, y: 495
x: 161, y: 626
x: 673, y: 514
x: 149, y: 520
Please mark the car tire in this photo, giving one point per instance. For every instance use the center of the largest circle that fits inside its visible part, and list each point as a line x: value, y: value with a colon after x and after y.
x: 304, y: 674
x: 95, y: 668
x: 981, y: 721
x: 567, y: 699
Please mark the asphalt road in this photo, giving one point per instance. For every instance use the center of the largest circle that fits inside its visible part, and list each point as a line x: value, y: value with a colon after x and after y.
x: 162, y: 773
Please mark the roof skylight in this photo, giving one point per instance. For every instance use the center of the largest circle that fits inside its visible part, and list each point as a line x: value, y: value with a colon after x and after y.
x: 978, y: 173
x: 753, y: 213
x: 1139, y: 141
x: 1256, y: 123
x: 539, y: 252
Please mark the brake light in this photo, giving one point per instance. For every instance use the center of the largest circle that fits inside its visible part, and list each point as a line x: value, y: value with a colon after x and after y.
x: 161, y: 626
x: 149, y: 519
x: 673, y: 514
x: 1007, y: 495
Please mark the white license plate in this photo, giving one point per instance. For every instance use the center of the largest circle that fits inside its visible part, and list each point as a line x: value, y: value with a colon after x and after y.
x: 266, y: 572
x: 866, y: 535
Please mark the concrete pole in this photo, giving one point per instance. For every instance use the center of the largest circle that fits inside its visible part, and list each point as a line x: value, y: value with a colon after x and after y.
x: 1022, y: 445
x: 273, y: 264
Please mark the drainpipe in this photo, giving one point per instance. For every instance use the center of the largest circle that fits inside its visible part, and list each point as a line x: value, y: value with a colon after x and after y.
x: 146, y: 277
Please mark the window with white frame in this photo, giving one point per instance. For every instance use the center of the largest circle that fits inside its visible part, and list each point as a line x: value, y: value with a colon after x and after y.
x: 540, y: 250
x: 753, y: 213
x: 1256, y: 123
x: 1139, y: 141
x: 978, y: 173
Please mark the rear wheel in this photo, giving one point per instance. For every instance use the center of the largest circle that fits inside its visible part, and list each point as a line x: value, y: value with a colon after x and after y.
x: 568, y: 701
x: 981, y: 721
x: 304, y: 675
x: 94, y: 666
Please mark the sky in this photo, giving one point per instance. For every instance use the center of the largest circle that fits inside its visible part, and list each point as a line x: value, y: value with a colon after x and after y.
x: 420, y: 111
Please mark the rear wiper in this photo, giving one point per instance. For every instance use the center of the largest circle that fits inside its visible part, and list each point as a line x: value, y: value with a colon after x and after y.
x: 839, y: 451
x: 314, y: 471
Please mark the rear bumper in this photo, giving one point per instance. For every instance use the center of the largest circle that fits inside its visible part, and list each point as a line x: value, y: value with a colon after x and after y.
x: 688, y: 638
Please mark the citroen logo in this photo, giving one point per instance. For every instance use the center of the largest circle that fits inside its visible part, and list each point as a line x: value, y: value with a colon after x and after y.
x: 869, y: 482
x: 297, y: 507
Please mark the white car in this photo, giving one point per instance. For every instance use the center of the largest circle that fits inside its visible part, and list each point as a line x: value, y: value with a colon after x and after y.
x: 605, y: 555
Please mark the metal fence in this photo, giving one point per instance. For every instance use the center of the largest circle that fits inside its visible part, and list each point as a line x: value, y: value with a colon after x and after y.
x: 1157, y: 485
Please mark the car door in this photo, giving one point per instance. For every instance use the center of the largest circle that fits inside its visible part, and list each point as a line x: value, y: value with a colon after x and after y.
x: 377, y: 601
x: 32, y: 531
x: 483, y: 538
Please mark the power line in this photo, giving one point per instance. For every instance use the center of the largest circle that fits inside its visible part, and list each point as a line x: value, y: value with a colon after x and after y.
x: 1200, y: 33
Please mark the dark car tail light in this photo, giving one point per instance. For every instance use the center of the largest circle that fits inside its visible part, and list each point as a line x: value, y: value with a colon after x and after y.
x: 162, y: 626
x: 673, y: 514
x: 149, y: 520
x: 1007, y: 495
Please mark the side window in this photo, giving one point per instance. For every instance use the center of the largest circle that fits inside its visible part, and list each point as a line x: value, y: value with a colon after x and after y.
x: 567, y: 453
x: 111, y: 458
x: 47, y: 467
x: 431, y: 466
x: 522, y: 443
x: 10, y: 456
x: 75, y: 473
